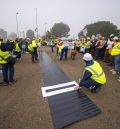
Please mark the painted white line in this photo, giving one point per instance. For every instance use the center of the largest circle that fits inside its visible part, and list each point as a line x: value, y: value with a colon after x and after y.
x: 60, y: 85
x: 58, y: 91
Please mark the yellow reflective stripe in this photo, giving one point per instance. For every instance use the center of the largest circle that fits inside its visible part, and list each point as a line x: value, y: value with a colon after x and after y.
x: 98, y: 75
x: 6, y: 55
x: 101, y: 74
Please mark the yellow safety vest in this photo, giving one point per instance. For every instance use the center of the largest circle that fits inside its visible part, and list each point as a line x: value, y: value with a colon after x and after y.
x: 38, y: 44
x: 87, y: 44
x: 83, y: 45
x: 4, y: 55
x: 60, y: 48
x: 77, y: 45
x: 30, y: 48
x: 34, y: 44
x: 116, y: 50
x: 97, y: 73
x: 17, y: 48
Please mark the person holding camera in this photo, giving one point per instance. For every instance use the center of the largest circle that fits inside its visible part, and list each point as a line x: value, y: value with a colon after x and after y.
x: 7, y: 62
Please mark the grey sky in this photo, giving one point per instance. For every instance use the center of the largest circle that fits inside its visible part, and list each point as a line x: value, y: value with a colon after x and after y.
x: 75, y: 13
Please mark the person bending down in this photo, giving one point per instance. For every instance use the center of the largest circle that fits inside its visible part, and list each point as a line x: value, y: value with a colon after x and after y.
x: 94, y: 76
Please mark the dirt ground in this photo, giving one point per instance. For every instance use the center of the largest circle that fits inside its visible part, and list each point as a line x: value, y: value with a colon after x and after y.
x: 23, y: 107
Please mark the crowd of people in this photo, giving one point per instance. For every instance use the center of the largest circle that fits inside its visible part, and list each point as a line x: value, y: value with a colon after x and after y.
x: 102, y: 48
x: 10, y: 52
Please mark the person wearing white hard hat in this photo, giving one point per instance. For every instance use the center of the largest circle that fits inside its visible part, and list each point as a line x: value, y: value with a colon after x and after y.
x: 94, y: 76
x: 116, y: 55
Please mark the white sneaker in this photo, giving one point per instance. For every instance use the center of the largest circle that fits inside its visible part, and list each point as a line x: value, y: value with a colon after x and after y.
x: 119, y: 79
x: 114, y: 72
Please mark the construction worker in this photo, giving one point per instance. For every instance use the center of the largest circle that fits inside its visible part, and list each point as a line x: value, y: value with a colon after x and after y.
x: 18, y: 49
x: 87, y: 45
x: 107, y: 57
x: 94, y: 76
x: 116, y: 55
x: 58, y: 44
x: 39, y: 44
x: 32, y: 49
x: 82, y: 46
x: 7, y: 68
x: 63, y: 50
x: 52, y: 45
x: 98, y: 48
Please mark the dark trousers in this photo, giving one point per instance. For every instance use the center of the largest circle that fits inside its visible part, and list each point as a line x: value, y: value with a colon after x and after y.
x: 97, y: 53
x: 87, y: 50
x: 64, y: 53
x: 8, y: 72
x: 34, y: 54
x: 33, y: 57
x: 90, y: 84
x: 102, y: 53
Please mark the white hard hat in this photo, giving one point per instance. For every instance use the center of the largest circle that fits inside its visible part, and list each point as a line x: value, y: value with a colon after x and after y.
x: 87, y: 57
x: 115, y: 38
x: 28, y: 39
x: 112, y: 35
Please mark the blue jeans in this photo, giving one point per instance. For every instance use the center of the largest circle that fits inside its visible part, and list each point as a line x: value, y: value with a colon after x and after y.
x: 8, y: 72
x: 90, y: 83
x: 52, y: 48
x: 64, y: 51
x: 117, y: 63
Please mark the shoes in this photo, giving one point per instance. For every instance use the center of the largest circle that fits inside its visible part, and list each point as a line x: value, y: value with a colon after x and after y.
x: 119, y: 79
x: 96, y: 90
x: 13, y: 82
x: 112, y: 70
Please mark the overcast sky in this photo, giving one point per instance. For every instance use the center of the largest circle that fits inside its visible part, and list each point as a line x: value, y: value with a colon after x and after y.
x: 75, y: 13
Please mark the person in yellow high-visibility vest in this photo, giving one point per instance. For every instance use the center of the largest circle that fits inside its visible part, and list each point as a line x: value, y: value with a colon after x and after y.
x: 87, y: 45
x: 63, y: 50
x: 7, y: 67
x: 18, y: 48
x: 94, y: 76
x: 32, y: 49
x: 116, y: 55
x: 98, y: 48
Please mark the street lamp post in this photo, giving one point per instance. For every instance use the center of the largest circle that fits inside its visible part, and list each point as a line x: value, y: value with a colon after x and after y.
x: 36, y: 24
x: 45, y: 27
x: 17, y: 24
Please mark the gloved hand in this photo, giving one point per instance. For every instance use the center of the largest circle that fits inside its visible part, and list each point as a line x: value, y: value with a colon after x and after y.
x: 77, y: 88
